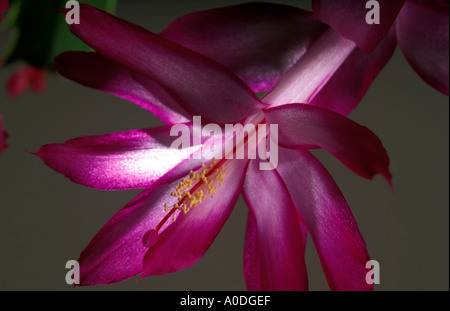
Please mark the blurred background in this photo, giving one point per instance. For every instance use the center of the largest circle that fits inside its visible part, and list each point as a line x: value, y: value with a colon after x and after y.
x: 47, y: 220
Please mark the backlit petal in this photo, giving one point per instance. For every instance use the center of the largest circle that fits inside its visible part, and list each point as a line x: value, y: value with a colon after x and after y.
x: 274, y: 255
x: 341, y: 248
x: 202, y: 86
x: 257, y: 41
x: 306, y: 126
x: 116, y: 251
x: 96, y: 71
x: 118, y: 161
x: 348, y: 85
x: 348, y: 18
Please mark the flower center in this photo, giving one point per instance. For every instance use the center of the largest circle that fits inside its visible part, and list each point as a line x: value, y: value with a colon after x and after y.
x: 193, y: 190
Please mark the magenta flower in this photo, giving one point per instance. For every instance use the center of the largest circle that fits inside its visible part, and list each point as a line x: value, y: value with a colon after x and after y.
x: 285, y: 203
x: 422, y: 28
x: 24, y: 78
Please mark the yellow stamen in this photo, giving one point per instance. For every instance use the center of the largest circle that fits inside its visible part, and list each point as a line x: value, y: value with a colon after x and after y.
x: 189, y: 196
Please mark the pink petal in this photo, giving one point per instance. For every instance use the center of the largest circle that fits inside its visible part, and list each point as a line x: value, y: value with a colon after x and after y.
x: 306, y: 78
x: 341, y: 248
x: 348, y: 18
x: 274, y: 254
x: 422, y: 32
x: 96, y: 71
x: 18, y: 83
x: 3, y: 7
x: 257, y: 41
x: 3, y: 136
x: 189, y: 237
x: 118, y: 161
x: 116, y: 251
x: 306, y: 126
x: 252, y: 272
x: 348, y: 85
x: 202, y: 86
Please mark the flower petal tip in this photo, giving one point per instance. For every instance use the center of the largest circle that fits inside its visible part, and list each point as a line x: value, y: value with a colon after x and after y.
x: 388, y: 176
x: 63, y: 11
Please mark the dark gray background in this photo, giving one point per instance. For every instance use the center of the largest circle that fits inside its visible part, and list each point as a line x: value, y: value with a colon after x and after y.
x: 46, y: 220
